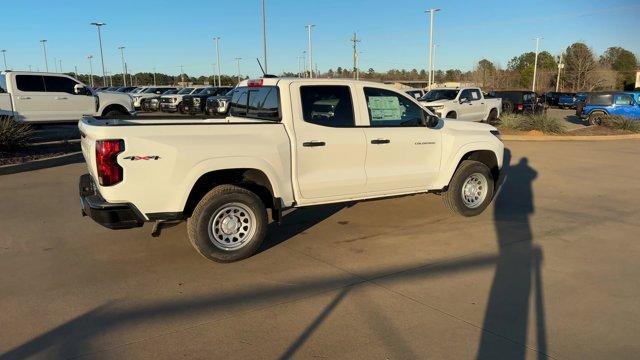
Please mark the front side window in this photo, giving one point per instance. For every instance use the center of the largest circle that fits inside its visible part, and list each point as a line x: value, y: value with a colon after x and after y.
x: 475, y: 94
x: 185, y: 91
x: 30, y: 83
x: 258, y: 103
x: 59, y: 84
x: 624, y: 99
x: 327, y: 105
x: 387, y: 108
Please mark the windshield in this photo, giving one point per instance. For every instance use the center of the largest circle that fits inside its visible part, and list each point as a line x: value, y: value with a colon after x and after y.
x: 170, y: 92
x: 197, y: 91
x: 149, y: 91
x: 434, y: 95
x: 185, y: 91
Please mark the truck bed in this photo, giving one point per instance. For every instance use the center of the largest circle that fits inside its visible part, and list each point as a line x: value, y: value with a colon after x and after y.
x: 167, y: 156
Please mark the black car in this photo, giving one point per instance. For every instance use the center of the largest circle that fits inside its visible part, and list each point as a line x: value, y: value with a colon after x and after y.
x: 519, y: 102
x: 195, y: 103
x: 218, y: 105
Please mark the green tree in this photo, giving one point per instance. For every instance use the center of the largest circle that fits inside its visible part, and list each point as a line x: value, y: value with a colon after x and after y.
x: 624, y: 62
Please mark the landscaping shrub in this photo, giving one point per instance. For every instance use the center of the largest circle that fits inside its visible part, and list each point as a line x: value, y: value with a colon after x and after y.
x: 540, y: 122
x: 620, y: 123
x: 13, y: 134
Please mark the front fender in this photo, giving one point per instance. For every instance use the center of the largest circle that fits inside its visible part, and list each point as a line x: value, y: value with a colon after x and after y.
x: 497, y: 148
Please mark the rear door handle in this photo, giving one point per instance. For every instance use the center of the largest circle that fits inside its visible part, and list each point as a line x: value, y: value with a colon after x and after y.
x: 313, y: 143
x: 24, y: 97
x: 380, y: 141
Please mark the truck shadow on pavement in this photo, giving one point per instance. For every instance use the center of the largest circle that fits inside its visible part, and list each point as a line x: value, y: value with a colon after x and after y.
x: 517, y: 275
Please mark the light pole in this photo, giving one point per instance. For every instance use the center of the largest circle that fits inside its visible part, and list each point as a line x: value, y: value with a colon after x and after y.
x: 217, y: 40
x: 55, y: 64
x: 182, y: 75
x: 433, y: 64
x: 44, y: 48
x: 264, y: 36
x: 304, y: 63
x: 4, y: 57
x: 431, y: 13
x: 535, y: 64
x: 98, y: 25
x: 60, y: 60
x: 310, y: 50
x: 214, y: 74
x: 300, y: 59
x: 154, y: 76
x: 238, y: 65
x: 124, y: 67
x: 76, y: 68
x: 355, y: 42
x: 90, y: 57
x: 560, y: 67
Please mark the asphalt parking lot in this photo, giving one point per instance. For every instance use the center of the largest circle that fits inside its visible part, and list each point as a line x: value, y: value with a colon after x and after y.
x: 551, y: 269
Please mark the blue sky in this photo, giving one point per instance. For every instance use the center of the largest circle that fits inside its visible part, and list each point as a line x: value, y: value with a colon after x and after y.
x: 168, y: 33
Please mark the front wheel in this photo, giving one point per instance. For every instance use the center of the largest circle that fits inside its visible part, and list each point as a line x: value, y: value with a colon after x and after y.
x: 595, y: 117
x: 228, y: 224
x: 470, y: 190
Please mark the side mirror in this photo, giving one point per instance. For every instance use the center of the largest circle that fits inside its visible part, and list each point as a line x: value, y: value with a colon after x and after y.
x: 429, y: 120
x: 80, y: 89
x: 463, y: 100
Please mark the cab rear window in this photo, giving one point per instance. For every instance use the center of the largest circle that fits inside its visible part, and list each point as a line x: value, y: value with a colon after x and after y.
x: 257, y: 103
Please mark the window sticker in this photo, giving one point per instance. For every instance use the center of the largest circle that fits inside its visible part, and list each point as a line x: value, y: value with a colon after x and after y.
x: 385, y: 108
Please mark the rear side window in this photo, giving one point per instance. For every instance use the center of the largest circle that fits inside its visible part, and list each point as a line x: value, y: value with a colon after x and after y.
x: 475, y: 94
x: 327, y: 105
x: 257, y: 103
x: 59, y: 84
x: 601, y: 99
x: 30, y: 83
x: 3, y: 84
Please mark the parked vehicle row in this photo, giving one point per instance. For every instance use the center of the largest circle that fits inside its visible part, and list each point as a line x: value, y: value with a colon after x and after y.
x: 519, y: 102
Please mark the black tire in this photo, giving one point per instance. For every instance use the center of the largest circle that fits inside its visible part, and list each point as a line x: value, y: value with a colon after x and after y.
x: 453, y: 198
x: 595, y: 117
x: 200, y: 224
x: 114, y: 114
x: 507, y: 107
x: 452, y: 115
x: 145, y: 106
x: 493, y: 116
x: 181, y: 109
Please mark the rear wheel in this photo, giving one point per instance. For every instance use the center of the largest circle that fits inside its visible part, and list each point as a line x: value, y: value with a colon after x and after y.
x: 181, y: 109
x: 228, y: 224
x: 452, y: 115
x: 507, y: 107
x: 595, y: 117
x: 114, y: 114
x: 493, y: 116
x: 470, y: 190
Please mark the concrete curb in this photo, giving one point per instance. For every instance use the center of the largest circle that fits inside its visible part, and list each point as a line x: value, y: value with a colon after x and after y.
x: 569, y: 137
x: 66, y: 159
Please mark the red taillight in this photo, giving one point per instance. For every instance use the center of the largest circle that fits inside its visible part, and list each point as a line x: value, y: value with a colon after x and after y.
x: 520, y: 107
x: 109, y: 172
x: 254, y: 83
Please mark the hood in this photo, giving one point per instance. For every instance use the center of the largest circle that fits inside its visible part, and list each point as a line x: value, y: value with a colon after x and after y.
x: 113, y: 95
x: 434, y: 103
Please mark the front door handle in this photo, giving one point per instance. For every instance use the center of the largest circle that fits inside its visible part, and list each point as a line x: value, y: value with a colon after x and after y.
x: 24, y: 97
x: 380, y: 141
x: 313, y: 143
x: 60, y: 98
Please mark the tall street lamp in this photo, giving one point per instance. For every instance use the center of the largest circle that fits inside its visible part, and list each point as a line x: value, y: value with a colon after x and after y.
x: 264, y: 36
x: 44, y: 48
x: 310, y: 49
x: 238, y: 65
x: 4, y: 57
x: 90, y: 57
x: 98, y: 25
x: 535, y: 64
x: 431, y: 13
x: 217, y: 40
x: 124, y: 68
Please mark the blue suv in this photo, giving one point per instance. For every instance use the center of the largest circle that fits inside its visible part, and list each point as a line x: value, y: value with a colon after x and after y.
x: 626, y: 104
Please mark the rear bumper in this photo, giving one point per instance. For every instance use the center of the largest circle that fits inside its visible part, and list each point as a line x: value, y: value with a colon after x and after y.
x: 109, y: 215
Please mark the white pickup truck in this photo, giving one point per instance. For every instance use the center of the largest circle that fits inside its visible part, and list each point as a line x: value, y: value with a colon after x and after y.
x: 286, y: 143
x: 51, y: 97
x: 467, y: 104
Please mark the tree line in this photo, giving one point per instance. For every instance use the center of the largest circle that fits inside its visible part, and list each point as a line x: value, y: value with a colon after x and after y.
x: 582, y: 71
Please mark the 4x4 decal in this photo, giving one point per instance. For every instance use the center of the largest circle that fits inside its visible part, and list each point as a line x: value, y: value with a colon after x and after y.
x: 145, y: 157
